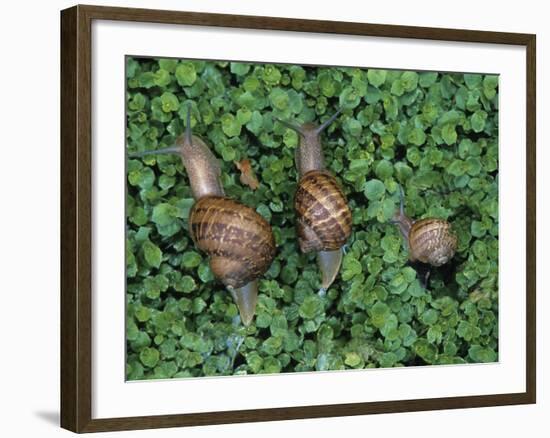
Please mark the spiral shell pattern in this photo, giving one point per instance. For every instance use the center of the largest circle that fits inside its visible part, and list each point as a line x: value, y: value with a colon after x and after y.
x: 323, y: 215
x: 432, y: 241
x: 238, y: 240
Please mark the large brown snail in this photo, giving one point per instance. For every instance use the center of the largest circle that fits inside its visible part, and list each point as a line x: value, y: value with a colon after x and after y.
x: 323, y: 218
x: 429, y: 241
x: 238, y: 240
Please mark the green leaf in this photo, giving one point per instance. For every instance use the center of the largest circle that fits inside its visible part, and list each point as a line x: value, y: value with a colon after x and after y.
x: 434, y: 334
x: 149, y: 357
x: 254, y: 362
x: 417, y: 137
x: 478, y: 229
x: 198, y: 305
x: 427, y: 79
x: 272, y: 365
x: 168, y: 348
x: 351, y: 267
x: 240, y: 68
x: 480, y: 354
x: 311, y: 307
x: 187, y: 284
x: 230, y: 125
x: 279, y: 99
x: 152, y: 254
x: 409, y: 79
x: 384, y: 169
x: 271, y: 75
x: 168, y: 64
x: 165, y: 214
x: 478, y: 120
x: 473, y: 166
x: 169, y: 102
x: 162, y: 78
x: 457, y: 168
x: 425, y: 350
x: 349, y: 98
x: 353, y: 127
x: 467, y: 331
x: 448, y: 132
x: 472, y: 80
x: 376, y: 77
x: 142, y: 313
x: 191, y: 259
x: 429, y: 317
x: 398, y: 284
x: 374, y: 189
x: 186, y: 74
x: 397, y: 88
x: 146, y: 79
x: 138, y: 102
x: 144, y: 178
x: 132, y: 67
x: 379, y: 314
x: 490, y: 84
x: 352, y: 359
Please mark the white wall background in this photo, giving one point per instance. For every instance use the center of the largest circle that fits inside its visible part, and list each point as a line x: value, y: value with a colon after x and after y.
x: 29, y: 216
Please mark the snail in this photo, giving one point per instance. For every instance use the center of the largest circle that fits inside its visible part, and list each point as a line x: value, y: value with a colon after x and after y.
x: 238, y: 240
x: 430, y: 241
x: 323, y: 218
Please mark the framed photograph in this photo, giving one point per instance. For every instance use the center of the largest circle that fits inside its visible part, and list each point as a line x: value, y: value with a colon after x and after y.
x: 267, y: 218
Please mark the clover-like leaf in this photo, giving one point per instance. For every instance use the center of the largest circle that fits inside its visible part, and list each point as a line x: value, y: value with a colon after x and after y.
x: 374, y: 189
x: 152, y: 253
x: 376, y: 77
x: 149, y: 357
x: 186, y: 74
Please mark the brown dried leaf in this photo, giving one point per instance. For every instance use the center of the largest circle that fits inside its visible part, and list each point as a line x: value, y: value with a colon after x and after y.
x: 247, y: 174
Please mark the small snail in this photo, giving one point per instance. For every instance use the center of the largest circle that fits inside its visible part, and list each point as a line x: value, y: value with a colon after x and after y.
x: 238, y: 240
x: 429, y: 241
x: 323, y: 216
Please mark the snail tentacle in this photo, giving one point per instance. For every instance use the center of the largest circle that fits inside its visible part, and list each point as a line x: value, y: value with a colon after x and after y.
x: 292, y: 126
x: 188, y: 133
x: 169, y: 150
x: 327, y: 122
x: 403, y: 222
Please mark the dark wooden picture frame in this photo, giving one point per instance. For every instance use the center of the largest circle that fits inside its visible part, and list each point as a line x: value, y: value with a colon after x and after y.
x: 76, y: 218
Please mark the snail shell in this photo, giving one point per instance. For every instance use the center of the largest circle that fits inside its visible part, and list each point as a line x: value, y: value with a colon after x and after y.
x: 238, y: 240
x: 432, y: 241
x: 323, y: 216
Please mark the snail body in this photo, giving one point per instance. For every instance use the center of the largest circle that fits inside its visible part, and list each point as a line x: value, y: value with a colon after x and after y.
x: 238, y: 240
x: 323, y: 218
x: 431, y: 241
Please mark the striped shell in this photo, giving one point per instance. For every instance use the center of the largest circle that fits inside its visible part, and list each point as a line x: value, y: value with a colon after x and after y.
x: 238, y: 240
x: 432, y: 241
x: 323, y: 215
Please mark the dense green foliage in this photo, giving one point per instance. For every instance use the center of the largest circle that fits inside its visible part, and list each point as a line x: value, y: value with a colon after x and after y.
x: 434, y: 134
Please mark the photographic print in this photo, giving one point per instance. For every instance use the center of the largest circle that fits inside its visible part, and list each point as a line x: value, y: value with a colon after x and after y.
x: 342, y: 224
x: 298, y: 218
